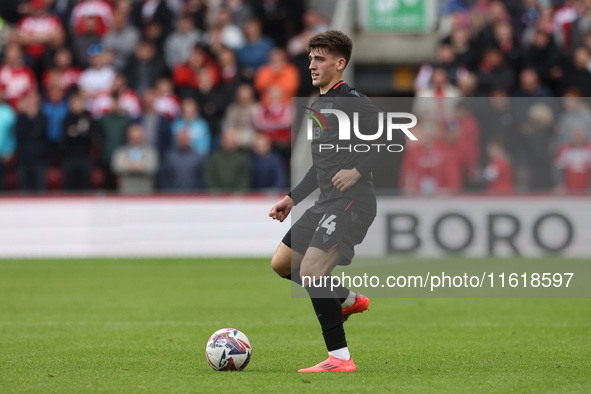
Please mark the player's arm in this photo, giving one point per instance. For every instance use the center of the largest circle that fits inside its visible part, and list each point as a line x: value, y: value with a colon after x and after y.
x: 281, y: 210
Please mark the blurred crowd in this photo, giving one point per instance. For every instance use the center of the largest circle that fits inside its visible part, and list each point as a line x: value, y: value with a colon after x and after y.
x: 145, y: 95
x: 194, y: 95
x: 504, y: 107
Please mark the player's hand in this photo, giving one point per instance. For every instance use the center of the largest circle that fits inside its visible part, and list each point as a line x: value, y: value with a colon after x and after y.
x: 344, y: 179
x: 281, y: 210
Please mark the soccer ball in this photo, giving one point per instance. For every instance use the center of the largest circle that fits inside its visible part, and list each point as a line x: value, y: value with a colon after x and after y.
x: 228, y: 349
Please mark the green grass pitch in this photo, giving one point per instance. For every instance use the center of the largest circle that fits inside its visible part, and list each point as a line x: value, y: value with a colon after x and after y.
x: 140, y: 326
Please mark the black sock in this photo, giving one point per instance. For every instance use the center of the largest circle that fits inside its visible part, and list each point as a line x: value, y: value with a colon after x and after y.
x: 341, y: 291
x: 330, y: 315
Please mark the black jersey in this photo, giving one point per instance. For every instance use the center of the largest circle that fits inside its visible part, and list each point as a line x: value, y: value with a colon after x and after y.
x: 328, y: 162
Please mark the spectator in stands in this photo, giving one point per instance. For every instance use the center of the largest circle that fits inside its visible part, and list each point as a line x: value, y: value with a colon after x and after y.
x: 546, y: 21
x: 588, y: 41
x: 80, y: 130
x: 493, y: 12
x: 534, y: 146
x: 465, y: 51
x: 580, y: 27
x: 274, y: 119
x: 530, y: 85
x: 180, y: 43
x: 150, y: 11
x: 498, y: 173
x: 228, y: 169
x: 85, y: 42
x: 506, y: 41
x: 427, y: 168
x: 64, y: 73
x: 446, y: 96
x: 144, y: 68
x: 122, y: 39
x: 277, y: 73
x: 104, y: 102
x: 278, y: 18
x: 183, y: 168
x: 268, y: 168
x: 494, y: 72
x: 32, y: 148
x: 157, y: 132
x: 16, y: 79
x: 193, y: 123
x: 198, y: 10
x: 135, y: 163
x: 113, y: 128
x: 166, y: 102
x: 576, y: 114
x: 213, y: 40
x: 39, y: 31
x: 467, y: 84
x: 230, y: 77
x: 573, y: 163
x: 153, y: 32
x: 241, y: 11
x: 241, y: 114
x: 185, y: 76
x: 531, y: 20
x: 213, y: 102
x: 55, y: 107
x: 446, y: 60
x: 578, y: 74
x: 7, y: 137
x: 466, y: 145
x: 456, y: 14
x: 563, y: 18
x: 230, y: 34
x: 256, y: 51
x: 125, y: 7
x: 314, y: 22
x: 545, y: 58
x: 453, y: 146
x: 101, y: 11
x: 100, y: 75
x: 499, y: 122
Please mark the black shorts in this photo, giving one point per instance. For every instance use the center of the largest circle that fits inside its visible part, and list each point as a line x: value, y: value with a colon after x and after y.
x: 336, y: 227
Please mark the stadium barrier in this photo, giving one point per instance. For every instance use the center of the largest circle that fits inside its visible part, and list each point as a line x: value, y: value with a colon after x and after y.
x: 239, y: 226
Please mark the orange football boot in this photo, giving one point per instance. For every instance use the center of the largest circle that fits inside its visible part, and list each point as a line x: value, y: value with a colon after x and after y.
x: 361, y: 305
x: 332, y: 364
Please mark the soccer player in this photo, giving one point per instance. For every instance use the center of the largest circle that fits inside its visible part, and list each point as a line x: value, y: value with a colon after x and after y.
x: 326, y: 234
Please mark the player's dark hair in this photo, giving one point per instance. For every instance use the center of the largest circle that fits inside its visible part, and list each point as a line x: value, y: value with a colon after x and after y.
x: 334, y: 42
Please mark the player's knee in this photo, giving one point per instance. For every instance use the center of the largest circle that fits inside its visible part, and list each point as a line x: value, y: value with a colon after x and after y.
x: 310, y: 274
x: 280, y: 265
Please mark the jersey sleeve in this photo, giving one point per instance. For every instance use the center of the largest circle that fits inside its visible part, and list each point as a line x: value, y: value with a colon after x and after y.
x: 305, y: 187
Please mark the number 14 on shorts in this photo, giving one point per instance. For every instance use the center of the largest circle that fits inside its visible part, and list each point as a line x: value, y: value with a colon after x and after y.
x: 329, y: 224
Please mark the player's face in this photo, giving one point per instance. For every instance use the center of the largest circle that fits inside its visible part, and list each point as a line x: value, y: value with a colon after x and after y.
x: 324, y: 67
